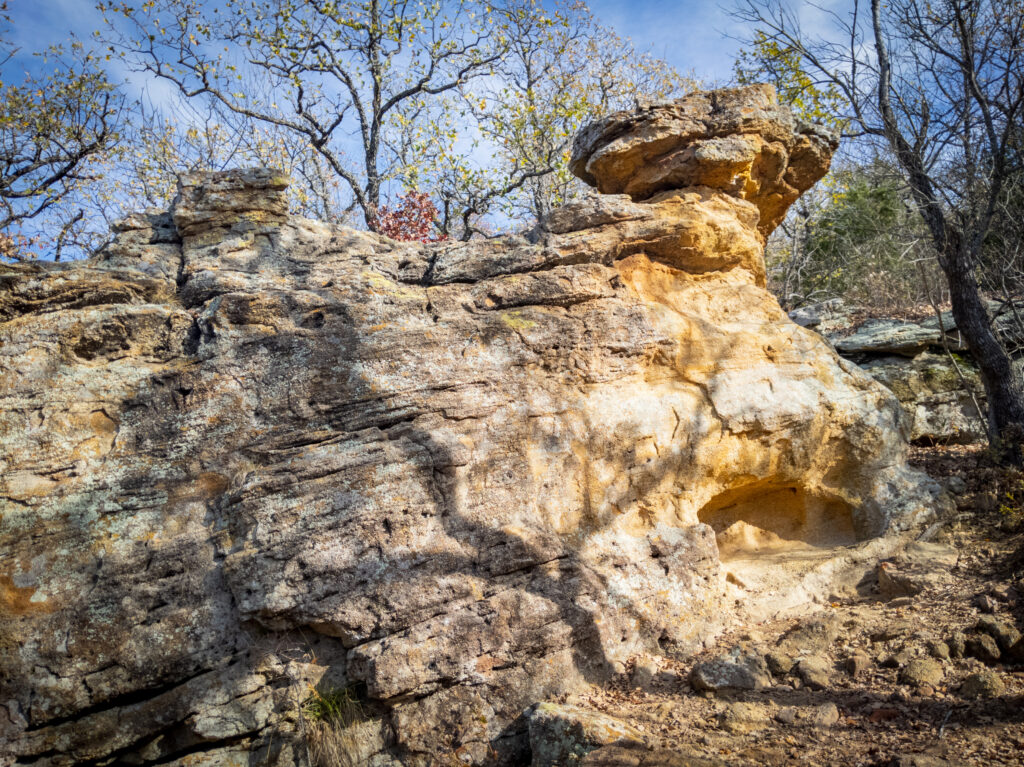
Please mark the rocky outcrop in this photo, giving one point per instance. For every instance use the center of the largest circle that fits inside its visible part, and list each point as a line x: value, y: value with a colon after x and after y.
x: 885, y: 336
x: 939, y: 408
x: 923, y: 363
x: 740, y: 141
x: 247, y: 456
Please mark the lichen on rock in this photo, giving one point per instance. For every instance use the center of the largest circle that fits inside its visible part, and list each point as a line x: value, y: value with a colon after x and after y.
x: 244, y: 453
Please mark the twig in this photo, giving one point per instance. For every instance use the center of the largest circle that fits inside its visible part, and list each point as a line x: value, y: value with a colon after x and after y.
x: 942, y: 727
x: 65, y: 230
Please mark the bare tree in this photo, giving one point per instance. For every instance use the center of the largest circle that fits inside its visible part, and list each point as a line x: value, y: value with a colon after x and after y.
x: 336, y: 72
x: 941, y: 85
x: 561, y: 69
x: 52, y: 126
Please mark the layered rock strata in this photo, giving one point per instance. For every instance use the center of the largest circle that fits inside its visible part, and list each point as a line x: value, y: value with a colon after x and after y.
x: 246, y: 455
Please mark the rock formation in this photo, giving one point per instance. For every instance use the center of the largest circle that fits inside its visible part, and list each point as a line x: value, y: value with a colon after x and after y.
x: 941, y: 394
x: 246, y: 454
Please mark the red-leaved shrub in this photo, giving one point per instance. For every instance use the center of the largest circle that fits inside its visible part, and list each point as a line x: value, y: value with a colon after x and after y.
x: 412, y: 219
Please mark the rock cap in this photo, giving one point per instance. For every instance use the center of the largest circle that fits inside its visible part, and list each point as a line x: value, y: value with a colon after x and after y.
x: 212, y: 200
x: 741, y: 141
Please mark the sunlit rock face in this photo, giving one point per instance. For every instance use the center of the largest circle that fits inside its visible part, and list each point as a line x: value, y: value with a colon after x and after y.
x: 243, y: 454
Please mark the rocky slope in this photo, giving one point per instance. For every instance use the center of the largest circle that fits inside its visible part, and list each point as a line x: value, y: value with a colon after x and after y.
x: 249, y: 460
x: 920, y: 665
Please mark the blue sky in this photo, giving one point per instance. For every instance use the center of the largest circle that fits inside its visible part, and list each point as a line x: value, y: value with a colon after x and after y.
x: 689, y: 34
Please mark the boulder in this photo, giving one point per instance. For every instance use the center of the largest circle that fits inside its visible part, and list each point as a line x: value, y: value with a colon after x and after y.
x: 1007, y: 637
x: 921, y: 672
x: 857, y: 664
x: 894, y: 583
x: 957, y: 644
x: 735, y: 671
x: 824, y: 317
x: 938, y: 649
x: 815, y: 672
x: 561, y: 734
x: 811, y: 636
x: 1007, y: 320
x: 984, y: 648
x: 983, y: 684
x: 886, y: 336
x: 779, y: 663
x: 739, y: 140
x: 246, y: 455
x: 938, y: 406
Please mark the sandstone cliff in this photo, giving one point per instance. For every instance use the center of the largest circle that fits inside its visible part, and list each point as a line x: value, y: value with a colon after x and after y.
x: 245, y: 454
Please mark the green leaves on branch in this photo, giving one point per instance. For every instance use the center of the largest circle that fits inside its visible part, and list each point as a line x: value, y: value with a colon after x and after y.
x: 767, y: 60
x: 53, y: 129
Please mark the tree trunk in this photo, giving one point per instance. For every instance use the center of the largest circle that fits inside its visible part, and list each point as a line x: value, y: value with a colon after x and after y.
x: 1003, y: 388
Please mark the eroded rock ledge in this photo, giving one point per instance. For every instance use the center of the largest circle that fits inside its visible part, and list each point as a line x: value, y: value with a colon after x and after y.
x: 245, y: 453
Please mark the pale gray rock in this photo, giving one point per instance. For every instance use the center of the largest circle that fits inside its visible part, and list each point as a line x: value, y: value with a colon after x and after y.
x: 594, y: 211
x: 1007, y: 320
x: 735, y: 671
x: 883, y: 336
x: 561, y: 734
x: 939, y: 407
x: 823, y: 316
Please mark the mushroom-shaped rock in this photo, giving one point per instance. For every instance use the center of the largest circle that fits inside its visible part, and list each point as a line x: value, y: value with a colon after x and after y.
x: 740, y: 141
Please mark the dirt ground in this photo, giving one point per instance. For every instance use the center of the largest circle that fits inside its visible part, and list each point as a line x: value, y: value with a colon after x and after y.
x: 871, y: 710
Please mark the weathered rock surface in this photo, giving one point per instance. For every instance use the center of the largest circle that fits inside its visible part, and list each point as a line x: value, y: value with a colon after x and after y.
x: 940, y: 396
x: 983, y: 684
x: 244, y: 454
x: 563, y: 734
x: 882, y: 336
x: 823, y: 317
x: 921, y: 671
x: 736, y: 671
x: 738, y: 140
x: 939, y: 408
x: 824, y: 715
